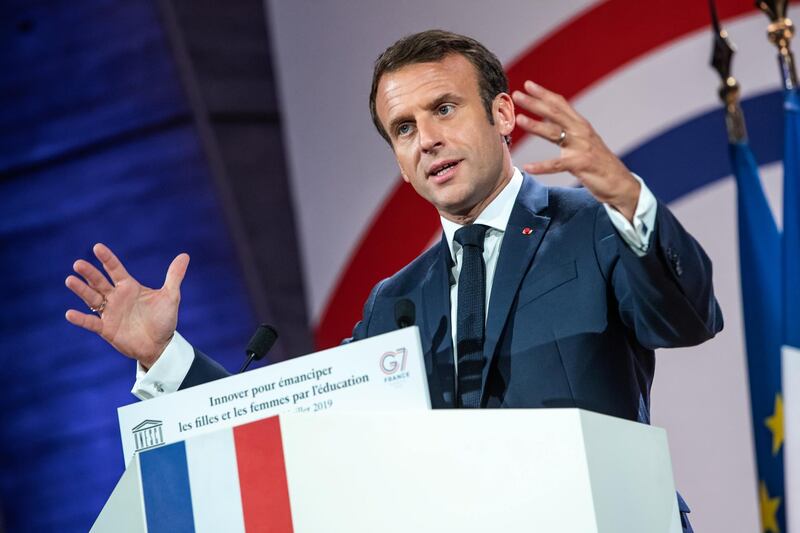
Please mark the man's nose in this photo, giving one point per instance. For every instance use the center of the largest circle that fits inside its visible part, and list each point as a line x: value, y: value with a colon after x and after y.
x: 429, y: 134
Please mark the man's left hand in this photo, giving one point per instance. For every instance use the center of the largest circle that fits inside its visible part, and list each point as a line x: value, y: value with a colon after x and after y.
x: 583, y: 152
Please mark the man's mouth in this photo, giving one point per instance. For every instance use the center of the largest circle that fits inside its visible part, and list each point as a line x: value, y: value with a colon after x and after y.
x: 440, y: 169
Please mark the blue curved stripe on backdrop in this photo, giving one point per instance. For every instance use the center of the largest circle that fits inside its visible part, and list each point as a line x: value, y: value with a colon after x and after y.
x: 695, y: 153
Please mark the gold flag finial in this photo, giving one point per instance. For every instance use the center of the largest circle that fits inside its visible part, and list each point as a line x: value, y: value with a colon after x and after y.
x: 780, y: 32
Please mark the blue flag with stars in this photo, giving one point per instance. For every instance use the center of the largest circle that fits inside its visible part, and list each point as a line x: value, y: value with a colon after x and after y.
x: 770, y: 274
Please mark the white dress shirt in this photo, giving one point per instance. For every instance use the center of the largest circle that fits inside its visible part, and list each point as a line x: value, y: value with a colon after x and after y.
x: 170, y: 369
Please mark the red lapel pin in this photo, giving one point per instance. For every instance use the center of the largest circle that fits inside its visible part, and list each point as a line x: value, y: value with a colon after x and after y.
x: 527, y: 231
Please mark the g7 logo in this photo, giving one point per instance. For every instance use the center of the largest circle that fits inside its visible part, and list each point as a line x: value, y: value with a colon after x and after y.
x: 391, y: 362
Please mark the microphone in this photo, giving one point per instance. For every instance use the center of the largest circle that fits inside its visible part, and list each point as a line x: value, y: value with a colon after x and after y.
x: 260, y: 343
x: 405, y: 314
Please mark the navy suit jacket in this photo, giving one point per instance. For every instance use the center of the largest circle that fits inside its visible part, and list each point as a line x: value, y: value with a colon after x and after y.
x: 574, y: 315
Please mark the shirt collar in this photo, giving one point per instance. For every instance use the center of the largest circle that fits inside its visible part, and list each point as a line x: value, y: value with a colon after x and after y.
x: 495, y: 215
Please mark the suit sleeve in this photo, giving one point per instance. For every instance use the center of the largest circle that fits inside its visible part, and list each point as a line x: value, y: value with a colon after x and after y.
x: 666, y: 297
x: 203, y: 370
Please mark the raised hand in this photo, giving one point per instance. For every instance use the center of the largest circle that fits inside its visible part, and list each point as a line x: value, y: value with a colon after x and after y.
x: 136, y: 320
x: 583, y: 152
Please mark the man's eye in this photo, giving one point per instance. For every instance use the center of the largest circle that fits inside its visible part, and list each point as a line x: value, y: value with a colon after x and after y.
x: 403, y: 129
x: 445, y: 109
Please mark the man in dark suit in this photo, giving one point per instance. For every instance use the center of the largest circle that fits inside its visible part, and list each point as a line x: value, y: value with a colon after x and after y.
x: 535, y: 297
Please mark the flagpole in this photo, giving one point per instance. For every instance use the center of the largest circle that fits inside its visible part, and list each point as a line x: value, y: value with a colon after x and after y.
x: 729, y: 92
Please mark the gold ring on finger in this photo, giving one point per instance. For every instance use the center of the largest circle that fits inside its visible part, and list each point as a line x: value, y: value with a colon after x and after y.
x: 99, y: 309
x: 562, y: 139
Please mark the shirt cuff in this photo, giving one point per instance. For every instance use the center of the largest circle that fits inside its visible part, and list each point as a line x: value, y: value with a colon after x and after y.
x: 167, y: 373
x: 637, y: 235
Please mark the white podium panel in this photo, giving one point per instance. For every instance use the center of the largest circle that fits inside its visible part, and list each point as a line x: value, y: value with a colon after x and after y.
x: 527, y: 470
x: 561, y: 470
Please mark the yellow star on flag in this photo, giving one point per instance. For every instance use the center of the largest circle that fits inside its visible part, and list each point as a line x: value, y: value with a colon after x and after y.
x: 775, y: 424
x: 769, y: 507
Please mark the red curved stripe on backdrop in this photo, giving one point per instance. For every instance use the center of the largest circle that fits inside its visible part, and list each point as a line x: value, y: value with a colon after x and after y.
x: 562, y: 62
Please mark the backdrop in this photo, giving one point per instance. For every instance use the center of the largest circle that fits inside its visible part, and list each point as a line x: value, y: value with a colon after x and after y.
x: 151, y: 125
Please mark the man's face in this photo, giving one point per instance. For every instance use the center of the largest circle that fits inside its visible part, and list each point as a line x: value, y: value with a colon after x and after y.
x: 442, y: 138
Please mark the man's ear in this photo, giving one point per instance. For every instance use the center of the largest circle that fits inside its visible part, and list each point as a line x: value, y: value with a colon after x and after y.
x: 503, y: 114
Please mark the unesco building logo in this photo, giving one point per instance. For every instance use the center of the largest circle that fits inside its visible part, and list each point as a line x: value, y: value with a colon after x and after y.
x: 148, y: 434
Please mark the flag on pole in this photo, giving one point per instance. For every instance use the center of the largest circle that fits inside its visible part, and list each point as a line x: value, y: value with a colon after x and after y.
x: 761, y: 266
x: 770, y: 274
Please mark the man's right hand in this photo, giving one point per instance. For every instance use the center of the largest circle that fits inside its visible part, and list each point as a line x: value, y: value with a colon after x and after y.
x: 136, y: 320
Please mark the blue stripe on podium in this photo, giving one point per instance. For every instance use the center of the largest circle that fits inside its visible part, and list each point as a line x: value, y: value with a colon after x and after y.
x: 167, y: 496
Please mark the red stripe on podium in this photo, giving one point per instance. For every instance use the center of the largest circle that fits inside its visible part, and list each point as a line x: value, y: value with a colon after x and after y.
x: 262, y: 477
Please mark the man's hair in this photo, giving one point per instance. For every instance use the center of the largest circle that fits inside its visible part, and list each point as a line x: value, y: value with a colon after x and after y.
x: 434, y: 45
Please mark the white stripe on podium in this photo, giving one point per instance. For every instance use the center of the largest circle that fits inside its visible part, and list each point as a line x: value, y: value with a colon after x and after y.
x: 216, y: 499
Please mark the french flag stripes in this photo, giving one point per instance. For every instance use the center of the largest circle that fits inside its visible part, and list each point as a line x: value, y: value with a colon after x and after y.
x: 243, y: 490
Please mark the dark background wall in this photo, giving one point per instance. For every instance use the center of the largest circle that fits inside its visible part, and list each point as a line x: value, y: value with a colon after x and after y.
x: 151, y: 126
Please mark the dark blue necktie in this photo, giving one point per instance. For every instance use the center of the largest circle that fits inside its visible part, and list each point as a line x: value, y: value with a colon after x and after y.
x: 471, y: 315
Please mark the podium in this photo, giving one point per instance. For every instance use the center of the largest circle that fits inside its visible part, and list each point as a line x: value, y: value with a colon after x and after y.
x: 526, y: 470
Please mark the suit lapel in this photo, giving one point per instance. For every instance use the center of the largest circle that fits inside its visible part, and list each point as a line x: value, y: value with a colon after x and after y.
x: 436, y: 333
x: 522, y: 237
